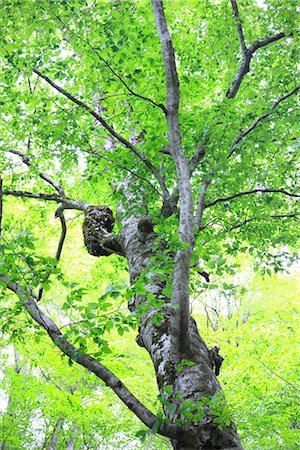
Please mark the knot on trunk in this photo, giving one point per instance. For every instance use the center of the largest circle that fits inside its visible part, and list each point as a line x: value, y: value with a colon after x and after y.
x: 145, y: 224
x: 97, y: 227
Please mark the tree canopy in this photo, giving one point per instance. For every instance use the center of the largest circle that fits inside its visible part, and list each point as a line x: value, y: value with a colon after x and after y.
x: 172, y: 128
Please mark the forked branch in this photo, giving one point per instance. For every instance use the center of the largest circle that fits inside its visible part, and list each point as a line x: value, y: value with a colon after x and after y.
x: 59, y: 213
x: 106, y: 63
x: 247, y: 52
x: 107, y: 126
x: 26, y: 160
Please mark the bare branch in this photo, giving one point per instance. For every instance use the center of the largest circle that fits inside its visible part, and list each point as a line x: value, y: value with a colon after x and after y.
x: 42, y: 175
x: 274, y: 216
x: 66, y: 203
x: 252, y: 191
x: 135, y: 94
x: 259, y: 43
x: 276, y: 374
x: 244, y: 133
x: 247, y: 53
x: 143, y: 413
x: 239, y: 26
x: 59, y: 249
x: 108, y: 127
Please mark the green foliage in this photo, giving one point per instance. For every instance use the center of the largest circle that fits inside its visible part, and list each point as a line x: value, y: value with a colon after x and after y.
x: 76, y: 43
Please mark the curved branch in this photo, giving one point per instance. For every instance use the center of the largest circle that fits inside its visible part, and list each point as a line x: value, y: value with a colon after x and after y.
x: 131, y: 91
x: 273, y: 216
x: 244, y: 133
x: 42, y: 175
x: 247, y: 52
x: 58, y: 251
x: 108, y: 127
x: 66, y: 203
x: 252, y: 191
x: 140, y: 410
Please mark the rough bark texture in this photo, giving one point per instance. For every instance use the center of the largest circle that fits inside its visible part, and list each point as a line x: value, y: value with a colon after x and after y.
x: 194, y: 381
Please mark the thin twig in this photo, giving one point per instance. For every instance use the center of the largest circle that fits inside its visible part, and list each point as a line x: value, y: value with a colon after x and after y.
x: 135, y: 94
x: 274, y: 216
x: 58, y: 251
x: 252, y: 191
x: 276, y: 374
x: 108, y: 127
x: 244, y: 133
x: 26, y: 160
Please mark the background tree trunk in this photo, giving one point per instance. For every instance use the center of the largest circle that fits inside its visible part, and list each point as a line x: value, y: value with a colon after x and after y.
x: 55, y: 435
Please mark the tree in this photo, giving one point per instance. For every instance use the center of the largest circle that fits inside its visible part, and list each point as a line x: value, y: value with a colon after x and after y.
x: 204, y: 166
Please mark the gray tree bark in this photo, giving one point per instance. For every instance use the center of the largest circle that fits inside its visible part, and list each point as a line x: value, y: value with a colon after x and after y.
x: 193, y: 382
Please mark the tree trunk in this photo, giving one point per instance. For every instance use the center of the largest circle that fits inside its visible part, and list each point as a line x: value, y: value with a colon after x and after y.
x: 189, y: 382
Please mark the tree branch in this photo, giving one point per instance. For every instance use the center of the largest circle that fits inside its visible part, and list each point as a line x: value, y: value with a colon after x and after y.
x: 143, y: 413
x: 172, y: 82
x: 247, y: 53
x: 239, y: 26
x: 42, y: 175
x: 93, y: 152
x: 59, y: 249
x: 180, y: 342
x: 244, y: 133
x: 66, y: 203
x: 108, y: 127
x: 135, y: 94
x: 259, y: 360
x: 273, y: 216
x: 252, y: 191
